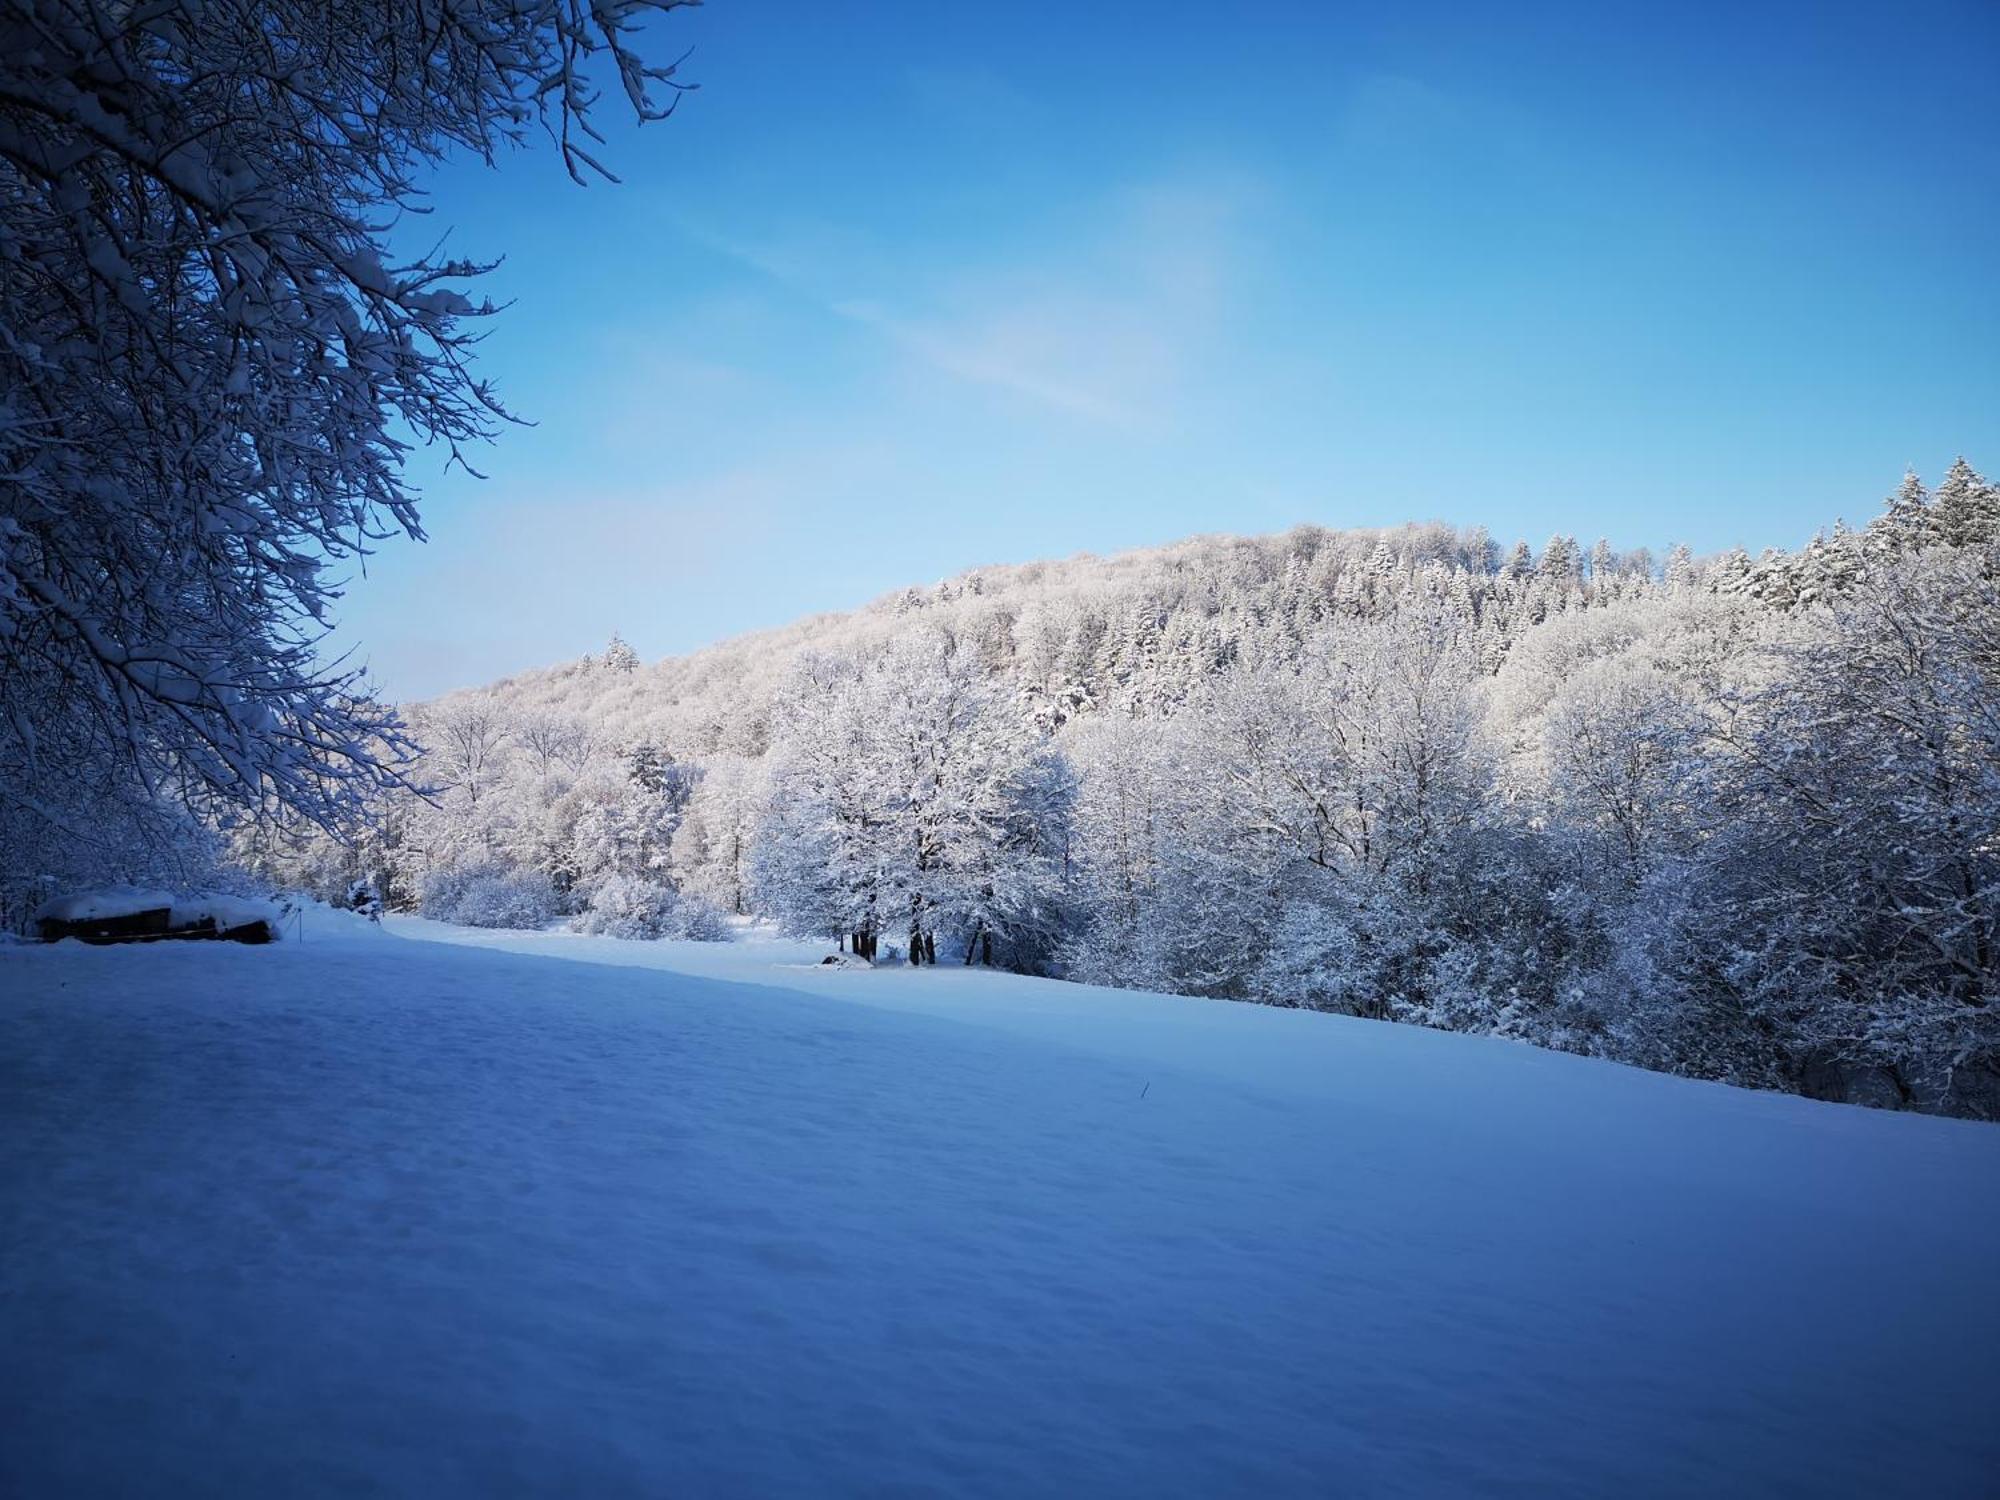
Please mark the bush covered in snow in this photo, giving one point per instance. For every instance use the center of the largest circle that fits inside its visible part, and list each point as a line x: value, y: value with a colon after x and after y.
x: 489, y: 895
x: 699, y: 922
x: 626, y: 906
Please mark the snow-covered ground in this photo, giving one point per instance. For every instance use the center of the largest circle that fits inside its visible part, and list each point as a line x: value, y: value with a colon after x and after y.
x: 431, y: 1210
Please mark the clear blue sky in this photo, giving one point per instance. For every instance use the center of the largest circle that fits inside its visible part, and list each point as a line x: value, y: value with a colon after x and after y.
x: 905, y: 289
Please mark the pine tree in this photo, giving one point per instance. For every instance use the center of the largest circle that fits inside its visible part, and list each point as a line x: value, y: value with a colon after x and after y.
x: 1560, y: 563
x: 647, y: 764
x: 1730, y: 573
x: 619, y: 657
x: 1680, y: 573
x: 1906, y: 524
x: 1965, y: 511
x: 1603, y: 562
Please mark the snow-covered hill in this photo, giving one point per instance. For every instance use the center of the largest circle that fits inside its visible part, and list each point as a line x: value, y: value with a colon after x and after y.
x: 539, y: 1214
x: 1135, y: 631
x: 1723, y: 820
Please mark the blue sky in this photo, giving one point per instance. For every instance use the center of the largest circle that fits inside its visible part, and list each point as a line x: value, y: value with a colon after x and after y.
x: 907, y: 289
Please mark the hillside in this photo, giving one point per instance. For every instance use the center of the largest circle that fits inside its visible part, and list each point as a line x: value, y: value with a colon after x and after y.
x: 373, y: 1213
x: 1717, y: 817
x: 1132, y: 630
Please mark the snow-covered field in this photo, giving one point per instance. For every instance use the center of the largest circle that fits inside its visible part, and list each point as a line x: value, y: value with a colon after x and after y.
x: 430, y: 1210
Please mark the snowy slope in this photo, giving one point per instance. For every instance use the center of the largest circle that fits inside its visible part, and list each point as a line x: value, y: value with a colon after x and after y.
x: 538, y: 1214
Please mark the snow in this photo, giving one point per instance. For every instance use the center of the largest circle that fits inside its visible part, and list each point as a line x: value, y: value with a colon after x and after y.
x: 435, y: 1210
x: 227, y: 911
x: 106, y: 901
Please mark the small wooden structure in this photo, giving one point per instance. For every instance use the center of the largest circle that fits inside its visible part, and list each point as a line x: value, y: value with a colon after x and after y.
x: 151, y: 925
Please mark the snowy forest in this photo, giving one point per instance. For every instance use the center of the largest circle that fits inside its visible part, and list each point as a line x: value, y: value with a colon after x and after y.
x: 1733, y: 817
x: 1728, y: 817
x: 1184, y: 1021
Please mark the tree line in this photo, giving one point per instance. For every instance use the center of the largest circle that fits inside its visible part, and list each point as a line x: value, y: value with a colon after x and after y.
x: 1734, y: 818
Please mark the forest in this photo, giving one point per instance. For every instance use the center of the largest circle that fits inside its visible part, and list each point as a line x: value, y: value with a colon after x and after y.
x: 1731, y: 817
x: 1341, y: 1010
x: 1735, y: 818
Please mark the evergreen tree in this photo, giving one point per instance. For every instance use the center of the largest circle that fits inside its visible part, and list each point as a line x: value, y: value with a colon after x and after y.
x: 619, y: 657
x: 1560, y: 565
x: 1603, y: 562
x: 1680, y: 572
x: 1905, y: 524
x: 1965, y: 511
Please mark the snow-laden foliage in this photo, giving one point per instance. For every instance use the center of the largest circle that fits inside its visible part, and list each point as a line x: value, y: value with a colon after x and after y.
x: 212, y: 367
x: 627, y: 906
x: 489, y: 895
x: 909, y: 799
x: 1735, y: 818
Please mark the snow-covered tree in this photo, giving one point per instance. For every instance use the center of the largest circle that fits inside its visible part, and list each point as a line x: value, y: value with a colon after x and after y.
x: 554, y: 742
x: 1173, y: 888
x: 711, y: 847
x: 1625, y: 759
x: 618, y: 656
x: 1966, y: 508
x: 1863, y: 883
x: 212, y: 366
x: 466, y: 735
x: 909, y: 801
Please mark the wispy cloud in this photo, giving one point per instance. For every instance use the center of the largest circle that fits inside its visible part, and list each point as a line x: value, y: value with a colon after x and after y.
x: 1100, y: 323
x: 1010, y: 353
